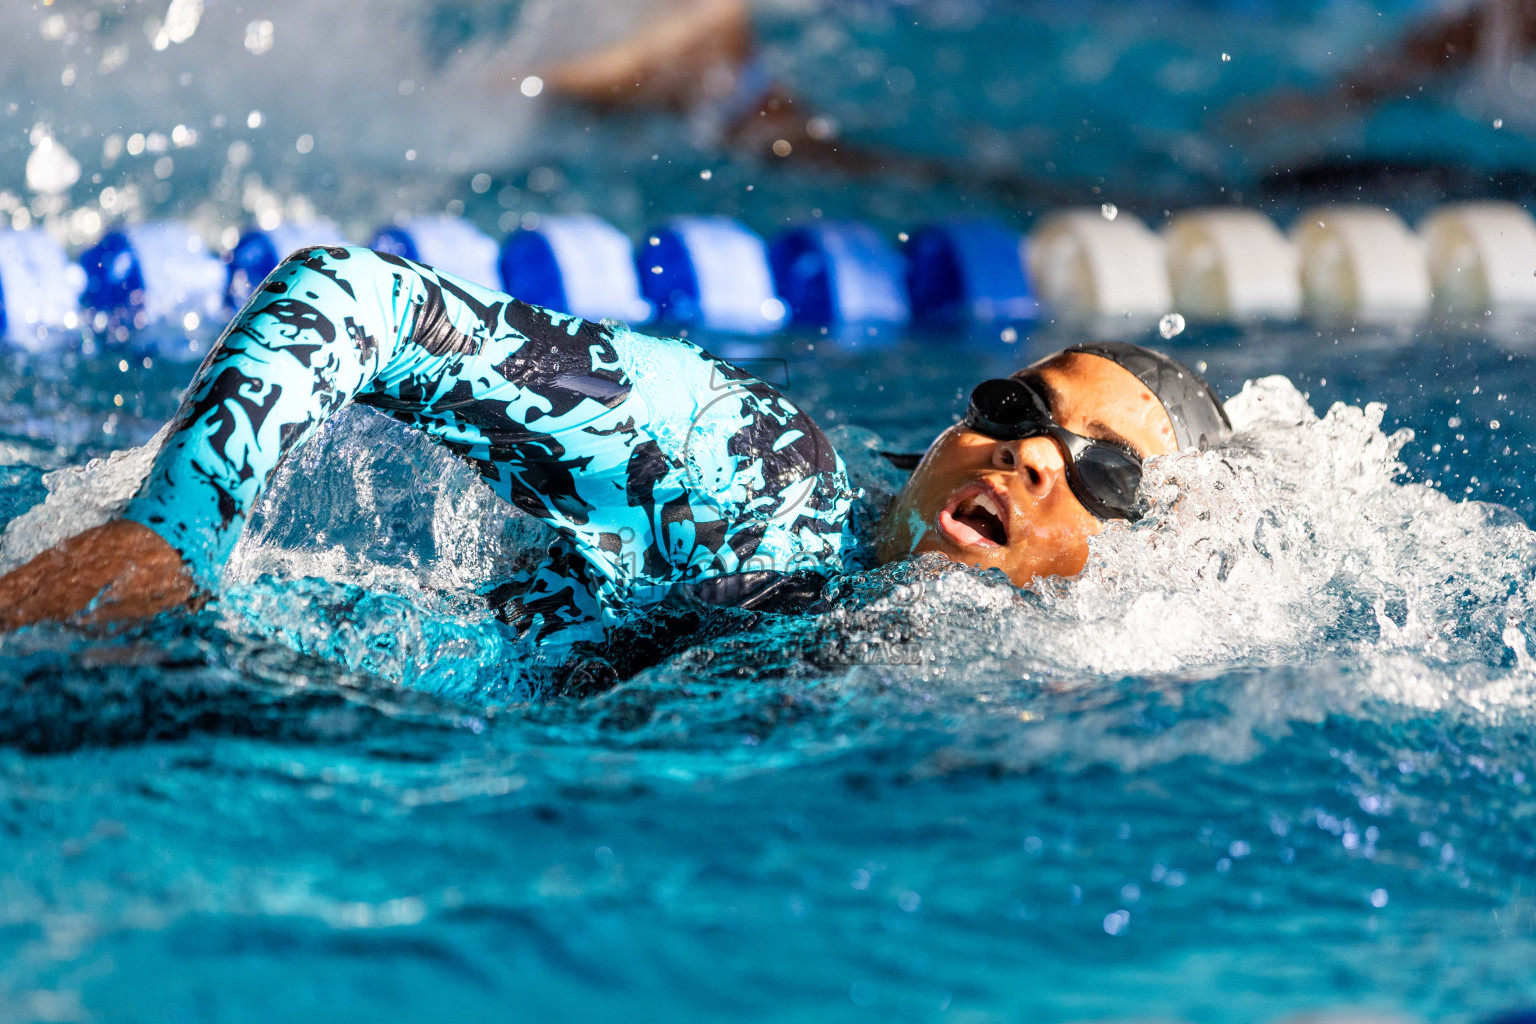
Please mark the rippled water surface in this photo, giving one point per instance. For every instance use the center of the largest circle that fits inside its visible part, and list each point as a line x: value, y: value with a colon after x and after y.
x: 1268, y: 753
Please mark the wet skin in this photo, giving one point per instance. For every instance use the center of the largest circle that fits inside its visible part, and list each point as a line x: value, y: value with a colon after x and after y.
x: 1007, y: 504
x: 117, y: 572
x: 122, y: 571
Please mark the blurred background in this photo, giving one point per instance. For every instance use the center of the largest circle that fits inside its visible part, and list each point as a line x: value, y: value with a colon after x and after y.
x: 265, y: 110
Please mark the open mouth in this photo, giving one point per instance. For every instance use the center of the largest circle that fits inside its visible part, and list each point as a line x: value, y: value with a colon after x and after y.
x: 975, y: 518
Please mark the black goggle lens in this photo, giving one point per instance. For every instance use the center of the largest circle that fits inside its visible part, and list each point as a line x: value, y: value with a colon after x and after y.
x: 1110, y: 476
x: 1003, y: 405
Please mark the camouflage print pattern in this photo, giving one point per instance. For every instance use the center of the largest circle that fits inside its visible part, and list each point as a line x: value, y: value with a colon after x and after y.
x: 657, y: 463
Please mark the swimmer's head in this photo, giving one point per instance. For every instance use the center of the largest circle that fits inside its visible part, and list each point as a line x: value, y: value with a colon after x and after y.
x: 1042, y: 460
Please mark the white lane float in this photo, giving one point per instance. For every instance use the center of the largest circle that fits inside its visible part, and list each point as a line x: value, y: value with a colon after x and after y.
x: 1482, y: 259
x: 577, y: 264
x: 1231, y: 264
x: 1360, y: 262
x: 1098, y: 263
x: 39, y: 290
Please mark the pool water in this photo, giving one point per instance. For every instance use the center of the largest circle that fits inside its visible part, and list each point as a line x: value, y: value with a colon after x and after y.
x: 1268, y: 754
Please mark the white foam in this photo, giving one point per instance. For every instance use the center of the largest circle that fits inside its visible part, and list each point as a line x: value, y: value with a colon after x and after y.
x: 1300, y: 543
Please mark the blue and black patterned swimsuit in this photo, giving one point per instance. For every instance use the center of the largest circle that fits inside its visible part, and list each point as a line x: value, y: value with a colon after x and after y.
x: 661, y: 467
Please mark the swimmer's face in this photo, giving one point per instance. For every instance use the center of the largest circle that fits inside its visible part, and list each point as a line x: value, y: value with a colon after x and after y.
x: 1007, y: 504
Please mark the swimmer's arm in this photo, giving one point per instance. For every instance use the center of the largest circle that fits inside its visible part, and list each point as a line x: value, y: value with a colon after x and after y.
x: 1435, y: 48
x: 303, y: 347
x: 117, y: 572
x: 326, y: 327
x: 667, y: 63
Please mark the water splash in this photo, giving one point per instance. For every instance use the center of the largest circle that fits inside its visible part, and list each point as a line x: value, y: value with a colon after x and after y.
x: 79, y: 497
x: 1298, y: 540
x: 1291, y: 575
x: 1300, y: 543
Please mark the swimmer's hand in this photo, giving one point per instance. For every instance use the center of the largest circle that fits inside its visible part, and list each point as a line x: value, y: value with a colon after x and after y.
x: 117, y: 572
x: 687, y: 51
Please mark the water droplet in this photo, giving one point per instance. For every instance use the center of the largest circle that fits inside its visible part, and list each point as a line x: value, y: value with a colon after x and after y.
x: 1171, y: 325
x: 258, y: 37
x: 1110, y: 211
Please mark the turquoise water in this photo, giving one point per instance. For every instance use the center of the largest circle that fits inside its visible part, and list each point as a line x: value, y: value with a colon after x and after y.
x: 936, y: 803
x: 1268, y: 754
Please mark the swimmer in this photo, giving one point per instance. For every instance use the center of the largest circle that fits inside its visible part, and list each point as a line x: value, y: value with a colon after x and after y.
x: 700, y: 59
x: 665, y: 472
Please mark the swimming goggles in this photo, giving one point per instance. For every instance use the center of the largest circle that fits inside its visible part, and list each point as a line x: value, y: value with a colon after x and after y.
x: 1105, y: 476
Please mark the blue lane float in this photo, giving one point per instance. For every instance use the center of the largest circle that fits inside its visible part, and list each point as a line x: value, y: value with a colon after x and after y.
x: 447, y: 243
x: 835, y: 274
x: 968, y: 271
x: 39, y: 290
x: 259, y: 251
x: 148, y: 274
x: 577, y: 264
x: 713, y: 273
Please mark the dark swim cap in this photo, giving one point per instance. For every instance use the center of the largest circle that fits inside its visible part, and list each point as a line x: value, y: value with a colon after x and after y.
x: 1199, y: 421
